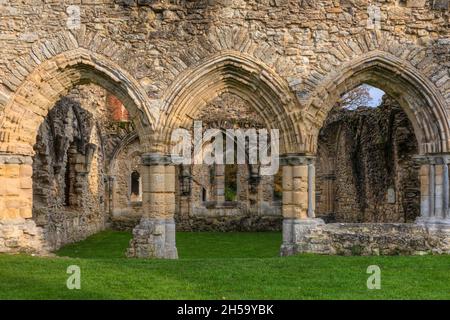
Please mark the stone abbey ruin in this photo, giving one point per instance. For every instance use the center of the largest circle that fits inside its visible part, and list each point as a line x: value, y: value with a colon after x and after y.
x: 91, y: 92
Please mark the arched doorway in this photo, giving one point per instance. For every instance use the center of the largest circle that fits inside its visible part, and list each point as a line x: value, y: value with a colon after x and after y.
x: 226, y: 73
x: 365, y: 166
x: 425, y: 110
x: 33, y: 100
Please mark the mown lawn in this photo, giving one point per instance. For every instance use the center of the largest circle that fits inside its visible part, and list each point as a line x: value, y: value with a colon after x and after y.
x: 218, y: 266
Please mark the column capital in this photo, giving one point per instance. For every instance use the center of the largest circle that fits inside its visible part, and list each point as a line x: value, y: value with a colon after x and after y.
x: 292, y: 159
x: 442, y: 158
x: 153, y: 159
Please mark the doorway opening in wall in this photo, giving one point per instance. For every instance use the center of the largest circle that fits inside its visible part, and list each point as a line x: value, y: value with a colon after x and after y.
x: 365, y: 170
x: 72, y: 184
x: 228, y: 197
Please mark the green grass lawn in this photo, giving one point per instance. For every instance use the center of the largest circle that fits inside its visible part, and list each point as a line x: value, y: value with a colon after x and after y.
x: 218, y: 266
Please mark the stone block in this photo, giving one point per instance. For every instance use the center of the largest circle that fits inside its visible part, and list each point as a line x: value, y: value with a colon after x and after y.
x: 157, y: 169
x: 169, y: 182
x: 300, y: 171
x: 300, y: 184
x: 300, y: 212
x: 415, y: 3
x: 287, y: 197
x: 156, y: 183
x: 12, y: 188
x: 441, y: 4
x: 288, y: 211
x: 153, y: 238
x: 26, y: 212
x: 287, y: 178
x: 300, y: 198
x: 11, y: 213
x: 26, y: 183
x: 11, y: 170
x: 26, y: 170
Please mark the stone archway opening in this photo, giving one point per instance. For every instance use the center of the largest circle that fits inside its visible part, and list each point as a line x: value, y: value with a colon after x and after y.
x: 73, y: 193
x: 365, y: 166
x: 377, y: 202
x: 228, y: 73
x: 24, y: 113
x: 226, y: 195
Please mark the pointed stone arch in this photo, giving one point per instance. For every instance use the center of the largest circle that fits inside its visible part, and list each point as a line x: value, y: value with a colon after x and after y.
x: 51, y: 80
x: 119, y: 148
x: 419, y: 97
x: 236, y: 73
x: 27, y: 106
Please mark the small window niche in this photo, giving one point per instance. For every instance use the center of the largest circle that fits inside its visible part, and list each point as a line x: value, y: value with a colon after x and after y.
x: 135, y: 187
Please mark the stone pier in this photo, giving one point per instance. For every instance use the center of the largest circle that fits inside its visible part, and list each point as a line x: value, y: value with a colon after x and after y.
x: 154, y: 236
x: 303, y: 233
x: 298, y: 201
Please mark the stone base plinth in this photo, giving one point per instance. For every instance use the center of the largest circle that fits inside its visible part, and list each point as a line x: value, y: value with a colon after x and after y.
x: 301, y: 236
x: 22, y: 236
x: 434, y: 224
x: 153, y: 238
x: 294, y: 231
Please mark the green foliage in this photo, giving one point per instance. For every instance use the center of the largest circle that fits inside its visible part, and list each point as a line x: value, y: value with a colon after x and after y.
x: 218, y: 266
x: 230, y: 194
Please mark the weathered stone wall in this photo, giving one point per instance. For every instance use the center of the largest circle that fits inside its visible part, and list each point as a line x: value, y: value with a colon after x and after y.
x: 68, y: 189
x: 222, y: 220
x: 254, y: 207
x: 366, y: 158
x: 372, y: 239
x: 302, y: 46
x: 164, y: 60
x: 22, y: 235
x: 125, y: 162
x: 70, y: 167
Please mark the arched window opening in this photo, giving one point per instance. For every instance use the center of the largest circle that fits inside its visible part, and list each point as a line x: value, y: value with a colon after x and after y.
x: 204, y: 195
x: 135, y: 194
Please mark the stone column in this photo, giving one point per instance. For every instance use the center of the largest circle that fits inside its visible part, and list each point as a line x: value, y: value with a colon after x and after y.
x: 154, y: 237
x: 298, y: 201
x: 434, y: 190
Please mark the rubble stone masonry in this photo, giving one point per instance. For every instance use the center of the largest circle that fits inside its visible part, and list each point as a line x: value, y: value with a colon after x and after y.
x: 289, y: 61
